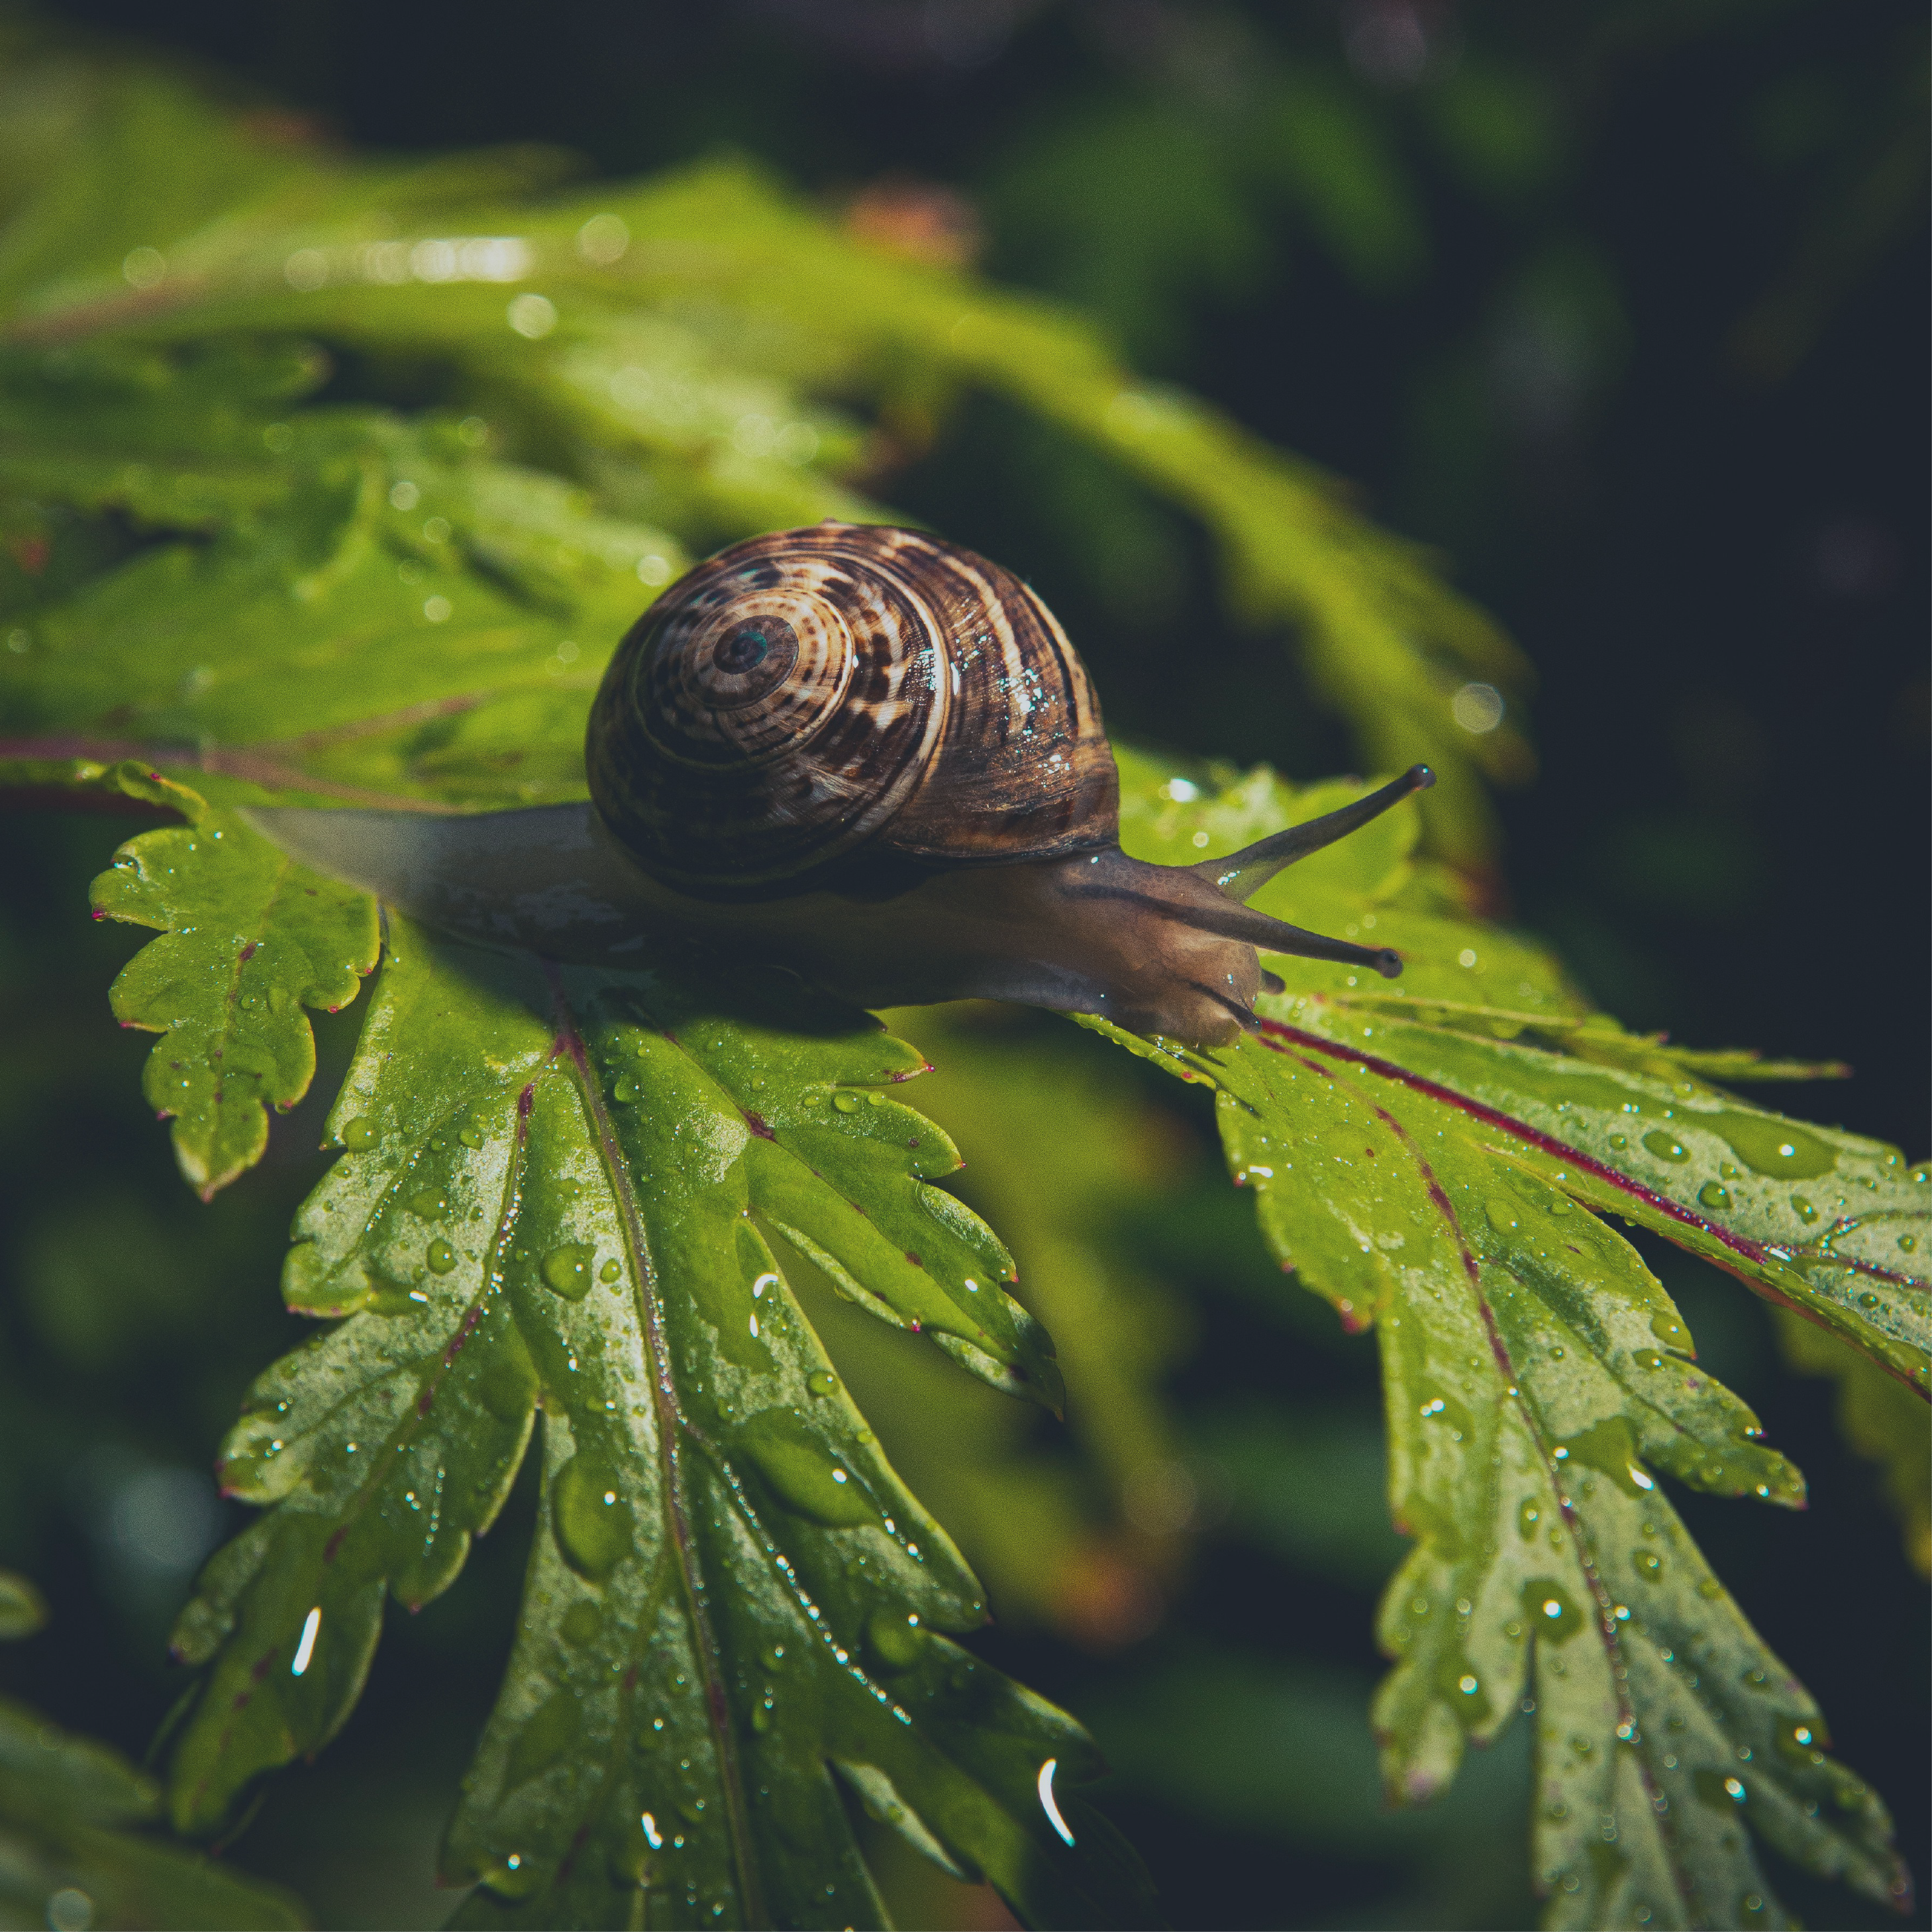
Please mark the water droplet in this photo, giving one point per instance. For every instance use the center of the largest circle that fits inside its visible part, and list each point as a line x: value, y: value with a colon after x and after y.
x: 1715, y: 1194
x: 427, y: 1205
x: 1649, y: 1563
x: 1647, y: 1358
x: 627, y: 1091
x: 566, y: 1269
x: 821, y: 1381
x: 895, y: 1640
x: 359, y: 1132
x: 592, y: 1522
x: 1620, y: 1141
x: 1665, y: 1146
x: 1501, y: 1214
x: 847, y: 1103
x: 1908, y: 1242
x: 1670, y: 1331
x: 1767, y: 1145
x: 1527, y: 1517
x: 1868, y: 1298
x: 609, y: 1271
x: 440, y: 1256
x: 1804, y: 1209
x: 470, y: 1137
x: 801, y: 1471
x: 1548, y: 1611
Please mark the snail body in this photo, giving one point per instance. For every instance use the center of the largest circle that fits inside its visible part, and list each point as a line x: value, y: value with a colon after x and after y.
x: 873, y: 759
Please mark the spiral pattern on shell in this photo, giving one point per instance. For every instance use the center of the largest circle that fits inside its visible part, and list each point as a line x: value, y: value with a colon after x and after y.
x: 817, y: 703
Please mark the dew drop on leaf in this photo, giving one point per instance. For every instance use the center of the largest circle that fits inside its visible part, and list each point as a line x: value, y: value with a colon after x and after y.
x: 896, y: 1640
x: 566, y: 1269
x: 1666, y: 1146
x: 1715, y: 1194
x: 359, y: 1133
x: 847, y: 1103
x: 1548, y: 1611
x: 821, y: 1381
x: 440, y: 1256
x: 1648, y: 1563
x: 592, y: 1521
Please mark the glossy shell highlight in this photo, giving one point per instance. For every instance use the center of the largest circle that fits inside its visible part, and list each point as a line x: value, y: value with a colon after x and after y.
x: 844, y: 705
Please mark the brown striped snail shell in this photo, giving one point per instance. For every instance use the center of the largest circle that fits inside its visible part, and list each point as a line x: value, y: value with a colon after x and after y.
x: 872, y: 759
x: 816, y: 704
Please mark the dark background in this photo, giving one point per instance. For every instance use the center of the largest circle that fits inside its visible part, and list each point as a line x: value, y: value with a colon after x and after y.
x: 1649, y: 364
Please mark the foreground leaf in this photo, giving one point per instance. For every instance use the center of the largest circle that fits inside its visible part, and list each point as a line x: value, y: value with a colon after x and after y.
x: 560, y: 1193
x: 1536, y: 1375
x: 251, y: 939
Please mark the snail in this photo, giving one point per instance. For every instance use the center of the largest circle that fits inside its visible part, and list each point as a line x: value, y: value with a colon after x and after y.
x: 871, y: 758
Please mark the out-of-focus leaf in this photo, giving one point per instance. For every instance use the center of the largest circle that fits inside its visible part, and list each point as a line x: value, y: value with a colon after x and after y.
x: 673, y: 342
x: 23, y: 1609
x: 73, y: 1848
x: 1091, y: 1548
x: 1882, y: 1419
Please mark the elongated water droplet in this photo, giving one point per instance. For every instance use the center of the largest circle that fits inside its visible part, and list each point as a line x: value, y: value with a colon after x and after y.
x: 592, y: 1520
x: 1715, y: 1194
x: 1666, y: 1146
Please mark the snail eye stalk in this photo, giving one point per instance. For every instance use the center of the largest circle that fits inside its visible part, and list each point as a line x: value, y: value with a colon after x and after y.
x: 1241, y: 875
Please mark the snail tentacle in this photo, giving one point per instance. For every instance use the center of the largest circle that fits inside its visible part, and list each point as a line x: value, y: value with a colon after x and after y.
x: 1241, y: 875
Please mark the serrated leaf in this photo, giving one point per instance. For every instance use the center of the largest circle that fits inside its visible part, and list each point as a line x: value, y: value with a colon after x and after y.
x: 560, y: 1193
x: 1536, y: 1374
x: 251, y: 940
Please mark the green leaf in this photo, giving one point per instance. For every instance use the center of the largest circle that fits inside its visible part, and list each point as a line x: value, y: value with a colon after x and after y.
x: 23, y: 1609
x: 1536, y: 1375
x: 569, y: 1192
x: 72, y: 1850
x: 1881, y: 1419
x: 251, y: 939
x: 676, y: 344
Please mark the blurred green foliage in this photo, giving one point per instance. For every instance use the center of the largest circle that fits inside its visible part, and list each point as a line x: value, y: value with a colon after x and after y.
x: 1217, y: 156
